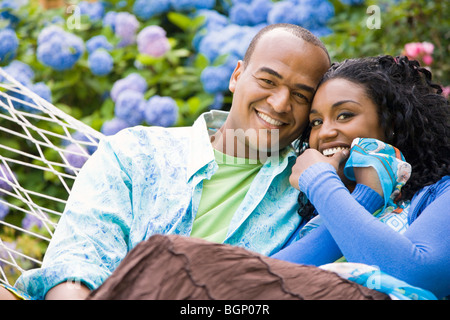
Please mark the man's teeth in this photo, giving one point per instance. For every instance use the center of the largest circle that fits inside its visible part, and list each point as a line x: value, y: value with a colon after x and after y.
x: 268, y: 119
x: 331, y: 151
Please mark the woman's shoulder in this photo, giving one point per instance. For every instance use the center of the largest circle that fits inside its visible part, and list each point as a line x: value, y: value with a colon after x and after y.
x: 428, y: 194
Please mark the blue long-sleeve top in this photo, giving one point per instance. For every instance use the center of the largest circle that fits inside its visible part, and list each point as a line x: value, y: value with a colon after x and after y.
x: 420, y: 256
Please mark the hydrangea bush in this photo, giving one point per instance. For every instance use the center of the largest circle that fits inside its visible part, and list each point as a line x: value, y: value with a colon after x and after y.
x: 120, y: 63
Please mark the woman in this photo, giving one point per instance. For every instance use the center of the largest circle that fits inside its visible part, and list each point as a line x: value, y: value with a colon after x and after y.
x: 385, y: 101
x: 392, y: 100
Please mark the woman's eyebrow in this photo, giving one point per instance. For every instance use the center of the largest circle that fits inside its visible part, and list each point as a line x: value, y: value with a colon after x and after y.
x: 279, y: 76
x: 336, y: 104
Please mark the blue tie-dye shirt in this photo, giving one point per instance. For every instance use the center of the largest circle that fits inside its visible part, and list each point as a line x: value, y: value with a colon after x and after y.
x: 148, y: 180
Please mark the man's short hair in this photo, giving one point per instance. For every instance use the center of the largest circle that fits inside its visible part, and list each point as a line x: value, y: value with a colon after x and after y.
x: 297, y: 31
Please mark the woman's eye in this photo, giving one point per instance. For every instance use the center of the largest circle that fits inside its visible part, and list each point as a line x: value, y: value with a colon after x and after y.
x: 345, y: 115
x: 315, y: 122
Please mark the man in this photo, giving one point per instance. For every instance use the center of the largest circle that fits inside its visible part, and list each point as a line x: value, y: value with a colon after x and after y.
x: 147, y: 181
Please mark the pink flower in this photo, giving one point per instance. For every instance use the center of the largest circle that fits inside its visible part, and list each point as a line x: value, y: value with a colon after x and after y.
x: 420, y: 51
x: 413, y: 49
x: 427, y: 59
x: 446, y: 91
x: 427, y: 47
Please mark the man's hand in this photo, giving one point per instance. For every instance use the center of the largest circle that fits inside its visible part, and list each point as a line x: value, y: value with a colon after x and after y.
x: 312, y: 156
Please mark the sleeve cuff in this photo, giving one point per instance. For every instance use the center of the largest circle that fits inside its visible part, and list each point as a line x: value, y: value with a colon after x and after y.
x: 368, y: 198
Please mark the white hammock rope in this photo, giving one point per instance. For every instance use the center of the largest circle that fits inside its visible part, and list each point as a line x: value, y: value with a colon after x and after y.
x: 37, y: 142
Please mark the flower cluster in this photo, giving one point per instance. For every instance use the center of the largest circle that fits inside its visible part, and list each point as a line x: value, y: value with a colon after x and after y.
x: 8, y: 44
x: 131, y: 108
x: 152, y: 41
x: 124, y: 25
x: 421, y: 51
x: 25, y: 75
x: 59, y: 49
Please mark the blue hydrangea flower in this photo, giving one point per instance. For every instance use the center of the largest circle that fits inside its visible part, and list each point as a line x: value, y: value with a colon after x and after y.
x: 4, y: 210
x: 8, y: 45
x: 240, y: 14
x: 42, y: 90
x: 129, y: 107
x: 161, y: 111
x: 109, y: 20
x: 215, y: 79
x: 98, y: 42
x: 133, y: 81
x: 100, y: 62
x: 58, y: 49
x: 259, y: 10
x: 95, y: 10
x: 352, y: 2
x: 186, y: 5
x: 20, y: 71
x: 146, y: 9
x: 282, y: 12
x: 152, y: 40
x: 113, y: 126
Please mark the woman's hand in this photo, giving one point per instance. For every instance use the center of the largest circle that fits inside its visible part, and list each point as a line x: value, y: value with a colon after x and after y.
x: 312, y: 156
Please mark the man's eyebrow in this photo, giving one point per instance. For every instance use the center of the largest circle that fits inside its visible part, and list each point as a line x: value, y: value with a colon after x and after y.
x: 270, y: 71
x: 279, y: 76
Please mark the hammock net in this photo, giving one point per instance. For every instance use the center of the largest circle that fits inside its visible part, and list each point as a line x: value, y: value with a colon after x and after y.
x: 41, y: 152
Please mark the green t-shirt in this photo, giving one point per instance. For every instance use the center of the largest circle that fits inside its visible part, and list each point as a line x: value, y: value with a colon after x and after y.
x: 222, y: 195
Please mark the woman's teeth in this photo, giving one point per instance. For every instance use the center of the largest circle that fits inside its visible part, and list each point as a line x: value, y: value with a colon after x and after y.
x: 269, y: 120
x: 329, y: 152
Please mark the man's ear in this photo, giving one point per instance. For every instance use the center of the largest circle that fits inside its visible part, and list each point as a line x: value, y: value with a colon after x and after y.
x: 235, y: 76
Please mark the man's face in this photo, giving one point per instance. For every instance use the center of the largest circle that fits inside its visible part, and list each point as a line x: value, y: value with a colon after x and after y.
x: 273, y: 92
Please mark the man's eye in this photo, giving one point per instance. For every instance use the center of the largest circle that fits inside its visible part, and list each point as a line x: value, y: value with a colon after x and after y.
x: 267, y: 81
x: 301, y: 96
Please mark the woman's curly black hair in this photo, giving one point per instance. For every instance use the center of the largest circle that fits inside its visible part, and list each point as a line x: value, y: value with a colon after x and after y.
x: 412, y: 111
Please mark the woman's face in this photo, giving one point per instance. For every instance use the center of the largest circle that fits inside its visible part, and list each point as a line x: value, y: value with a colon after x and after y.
x: 341, y: 111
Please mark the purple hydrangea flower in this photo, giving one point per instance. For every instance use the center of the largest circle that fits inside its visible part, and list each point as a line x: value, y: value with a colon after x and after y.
x: 133, y: 81
x: 125, y: 27
x: 98, y: 42
x: 58, y: 49
x: 152, y: 40
x: 129, y: 107
x: 20, y: 71
x: 113, y: 126
x: 100, y: 62
x: 6, y: 178
x: 146, y: 9
x: 4, y: 210
x: 8, y: 45
x: 76, y: 156
x: 161, y: 111
x: 31, y: 220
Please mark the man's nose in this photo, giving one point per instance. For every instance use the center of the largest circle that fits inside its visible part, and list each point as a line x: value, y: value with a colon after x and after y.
x: 280, y: 100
